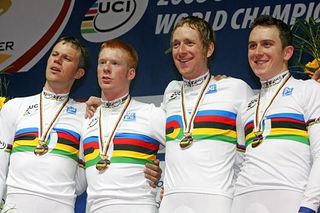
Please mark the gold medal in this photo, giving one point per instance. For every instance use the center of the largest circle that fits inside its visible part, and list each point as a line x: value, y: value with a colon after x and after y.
x: 102, y: 165
x: 188, y: 121
x: 41, y: 149
x: 186, y: 141
x: 257, y: 140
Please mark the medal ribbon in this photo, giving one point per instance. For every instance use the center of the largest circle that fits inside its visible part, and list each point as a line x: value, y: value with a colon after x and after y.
x: 43, y: 135
x: 105, y: 146
x: 257, y: 123
x: 187, y: 125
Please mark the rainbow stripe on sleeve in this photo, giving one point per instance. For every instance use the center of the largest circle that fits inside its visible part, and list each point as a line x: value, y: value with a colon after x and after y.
x: 67, y: 142
x: 217, y: 125
x: 288, y: 126
x: 128, y: 148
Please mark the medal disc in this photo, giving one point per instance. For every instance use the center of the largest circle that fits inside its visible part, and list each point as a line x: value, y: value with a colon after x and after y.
x: 257, y: 140
x: 186, y: 140
x: 102, y: 165
x: 41, y: 149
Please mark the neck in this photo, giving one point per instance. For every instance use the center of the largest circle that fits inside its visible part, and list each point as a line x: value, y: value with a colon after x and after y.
x: 56, y: 89
x: 105, y: 96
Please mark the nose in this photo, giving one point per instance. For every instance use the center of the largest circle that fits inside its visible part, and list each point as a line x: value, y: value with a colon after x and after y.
x: 58, y: 59
x: 259, y: 50
x: 106, y: 68
x: 182, y: 49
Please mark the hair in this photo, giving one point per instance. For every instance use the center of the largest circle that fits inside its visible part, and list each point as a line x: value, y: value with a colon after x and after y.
x: 206, y: 32
x: 84, y: 56
x: 285, y: 33
x: 129, y: 49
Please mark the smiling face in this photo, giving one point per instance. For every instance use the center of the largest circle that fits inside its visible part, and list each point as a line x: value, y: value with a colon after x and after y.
x: 63, y: 68
x: 266, y: 54
x: 188, y: 52
x: 114, y: 73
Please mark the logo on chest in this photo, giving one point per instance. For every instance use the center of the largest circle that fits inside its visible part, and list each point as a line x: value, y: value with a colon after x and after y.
x: 212, y: 89
x: 31, y: 109
x: 130, y: 116
x: 287, y: 91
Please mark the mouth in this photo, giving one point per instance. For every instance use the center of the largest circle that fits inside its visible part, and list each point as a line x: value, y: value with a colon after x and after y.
x: 55, y: 69
x: 106, y: 79
x: 183, y: 61
x: 260, y: 62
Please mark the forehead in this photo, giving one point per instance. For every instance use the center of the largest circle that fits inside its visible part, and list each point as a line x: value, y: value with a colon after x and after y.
x: 264, y: 33
x: 66, y: 47
x: 112, y: 53
x: 185, y: 32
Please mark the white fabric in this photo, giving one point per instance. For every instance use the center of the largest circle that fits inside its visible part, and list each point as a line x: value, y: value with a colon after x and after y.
x: 288, y: 157
x: 195, y: 203
x: 25, y: 203
x: 123, y: 183
x: 206, y: 167
x: 52, y: 175
x: 268, y: 201
x: 130, y: 208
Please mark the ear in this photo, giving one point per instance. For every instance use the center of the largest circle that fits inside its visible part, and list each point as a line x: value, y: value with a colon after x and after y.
x: 80, y: 72
x: 131, y: 74
x: 288, y: 52
x: 210, y: 49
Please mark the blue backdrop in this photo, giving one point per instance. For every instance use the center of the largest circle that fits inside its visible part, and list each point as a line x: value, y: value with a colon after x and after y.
x: 147, y: 24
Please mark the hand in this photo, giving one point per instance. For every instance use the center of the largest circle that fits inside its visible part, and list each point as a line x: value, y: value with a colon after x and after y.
x: 92, y: 105
x: 161, y: 193
x: 219, y: 77
x: 316, y: 75
x: 153, y: 173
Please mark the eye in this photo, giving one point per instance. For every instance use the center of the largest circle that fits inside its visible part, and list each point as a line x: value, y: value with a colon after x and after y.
x: 175, y: 44
x: 189, y: 43
x: 101, y: 62
x: 67, y: 58
x: 267, y: 44
x: 252, y: 46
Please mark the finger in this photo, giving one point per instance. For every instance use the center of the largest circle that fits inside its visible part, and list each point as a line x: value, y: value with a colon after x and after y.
x: 161, y: 193
x: 152, y: 180
x: 316, y: 75
x: 152, y: 171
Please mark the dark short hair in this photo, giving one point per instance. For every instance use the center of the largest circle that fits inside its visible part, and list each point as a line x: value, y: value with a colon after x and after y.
x: 206, y: 32
x: 84, y: 56
x: 284, y: 29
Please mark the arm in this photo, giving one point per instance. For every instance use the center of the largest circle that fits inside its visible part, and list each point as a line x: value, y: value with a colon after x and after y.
x: 153, y: 171
x: 7, y: 132
x: 240, y: 147
x: 245, y: 94
x: 80, y: 179
x: 311, y: 197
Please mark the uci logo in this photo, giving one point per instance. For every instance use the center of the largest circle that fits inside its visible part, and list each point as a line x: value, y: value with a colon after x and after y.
x: 108, y: 19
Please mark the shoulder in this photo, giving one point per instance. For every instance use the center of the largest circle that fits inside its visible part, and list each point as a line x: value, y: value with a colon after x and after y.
x: 146, y: 108
x: 235, y: 87
x: 303, y: 86
x: 76, y: 103
x: 19, y: 101
x: 234, y: 82
x: 142, y: 105
x: 173, y: 85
